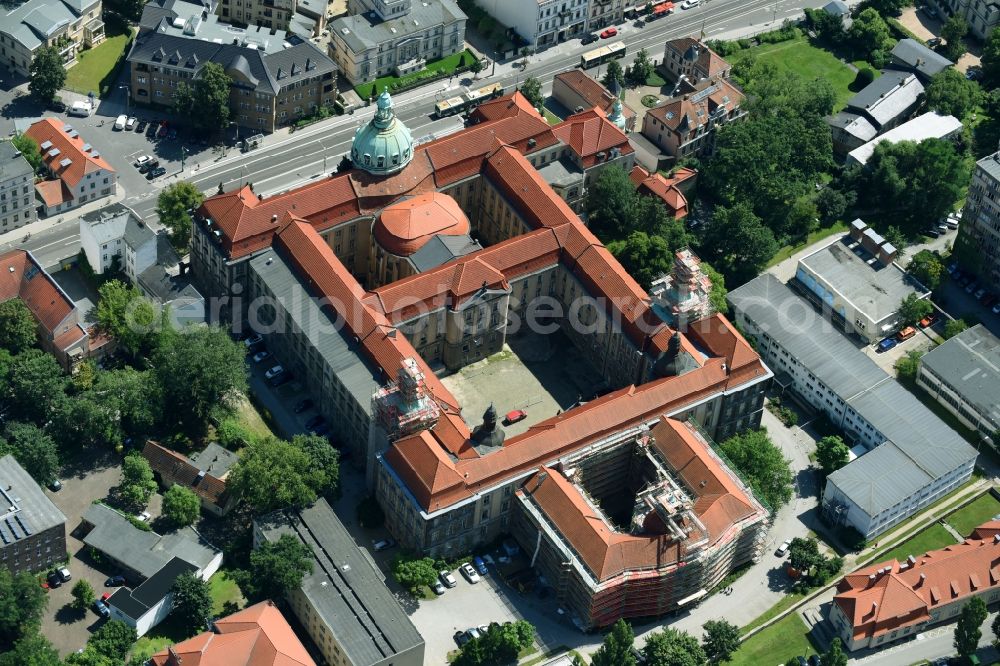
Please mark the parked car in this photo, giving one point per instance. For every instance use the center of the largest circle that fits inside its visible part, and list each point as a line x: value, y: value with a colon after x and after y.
x: 155, y: 173
x: 463, y: 637
x: 933, y: 42
x: 261, y: 355
x: 115, y: 581
x: 979, y: 293
x: 120, y: 122
x: 273, y: 372
x: 281, y: 378
x: 607, y: 33
x: 996, y: 308
x: 151, y: 131
x: 303, y: 405
x: 447, y: 578
x: 438, y: 588
x: 815, y: 660
x: 383, y: 544
x: 952, y: 267
x: 887, y: 344
x: 974, y: 73
x: 254, y: 339
x: 906, y: 333
x: 58, y: 106
x: 469, y: 573
x: 141, y: 127
x: 928, y: 320
x: 933, y: 233
x: 972, y: 287
x: 64, y: 574
x: 161, y: 131
x: 149, y: 166
x: 690, y: 4
x: 55, y: 485
x: 952, y: 222
x: 589, y: 38
x: 315, y: 422
x: 101, y: 608
x: 142, y: 159
x: 54, y: 579
x: 514, y: 416
x: 783, y: 548
x: 130, y: 123
x: 143, y: 516
x: 480, y: 565
x: 640, y: 24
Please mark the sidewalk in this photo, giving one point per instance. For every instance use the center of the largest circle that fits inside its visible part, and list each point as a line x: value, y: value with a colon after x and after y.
x: 20, y: 234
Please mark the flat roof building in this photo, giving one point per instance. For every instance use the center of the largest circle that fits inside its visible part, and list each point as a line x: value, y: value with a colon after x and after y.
x: 343, y: 604
x: 963, y: 374
x: 32, y: 529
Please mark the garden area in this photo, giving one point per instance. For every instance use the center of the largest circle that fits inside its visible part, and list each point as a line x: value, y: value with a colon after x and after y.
x: 435, y: 69
x: 974, y: 514
x: 97, y: 69
x: 783, y: 640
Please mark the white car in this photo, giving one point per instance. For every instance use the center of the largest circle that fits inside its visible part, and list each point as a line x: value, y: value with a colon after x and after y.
x: 261, y: 355
x: 447, y: 579
x: 120, y: 122
x: 438, y: 588
x: 144, y: 516
x: 469, y: 573
x: 130, y: 123
x: 142, y: 159
x: 783, y: 548
x: 274, y: 372
x: 690, y: 4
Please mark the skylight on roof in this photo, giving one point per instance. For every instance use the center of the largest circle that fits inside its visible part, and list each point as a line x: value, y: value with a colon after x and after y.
x: 54, y: 152
x: 46, y: 145
x: 65, y: 162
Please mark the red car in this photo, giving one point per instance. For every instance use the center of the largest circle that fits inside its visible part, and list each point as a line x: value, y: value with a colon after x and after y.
x: 105, y: 597
x: 515, y: 416
x: 610, y: 32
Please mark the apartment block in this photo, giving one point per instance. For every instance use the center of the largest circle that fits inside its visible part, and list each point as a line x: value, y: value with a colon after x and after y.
x: 17, y: 180
x: 978, y: 242
x: 32, y: 529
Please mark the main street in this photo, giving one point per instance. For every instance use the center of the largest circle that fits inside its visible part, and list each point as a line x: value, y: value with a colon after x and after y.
x: 289, y: 159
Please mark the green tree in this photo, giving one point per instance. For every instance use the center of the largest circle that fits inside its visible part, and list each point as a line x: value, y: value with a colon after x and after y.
x: 616, y: 650
x: 174, y: 206
x: 181, y: 506
x: 276, y: 567
x: 953, y: 33
x: 32, y: 649
x: 825, y: 569
x: 126, y: 315
x: 499, y: 645
x: 414, y: 573
x: 137, y: 484
x: 803, y: 554
x: 671, y: 647
x: 832, y: 204
x: 832, y: 453
x: 130, y: 10
x: 718, y: 294
x: 762, y: 464
x: 835, y: 656
x: 22, y: 601
x: 613, y: 73
x: 908, y: 365
x: 47, y: 74
x: 33, y: 449
x: 721, y: 640
x: 870, y: 32
x: 28, y: 147
x: 738, y: 243
x: 113, y: 639
x: 206, y: 101
x: 950, y: 93
x: 90, y: 657
x: 200, y: 372
x: 274, y: 474
x: 954, y: 327
x: 913, y: 308
x: 325, y: 460
x: 35, y: 386
x: 369, y: 513
x: 83, y: 595
x: 991, y: 61
x: 642, y: 68
x: 532, y: 91
x: 645, y: 257
x: 996, y: 619
x: 927, y: 268
x: 967, y: 631
x: 192, y: 602
x: 611, y: 202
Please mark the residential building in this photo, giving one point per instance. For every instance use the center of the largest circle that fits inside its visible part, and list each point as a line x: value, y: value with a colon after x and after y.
x: 148, y: 560
x: 115, y: 237
x: 59, y: 329
x: 79, y: 173
x: 691, y: 60
x: 669, y: 189
x: 930, y: 125
x: 883, y: 104
x: 578, y: 92
x: 343, y: 604
x: 205, y: 475
x: 68, y: 25
x: 638, y: 526
x: 856, y: 278
x: 963, y: 374
x: 896, y: 600
x: 841, y: 10
x: 908, y: 457
x: 277, y: 77
x: 544, y: 23
x: 978, y: 239
x: 17, y: 180
x: 32, y: 529
x: 910, y: 55
x: 684, y: 126
x: 604, y: 13
x: 394, y: 37
x: 981, y: 15
x: 258, y: 635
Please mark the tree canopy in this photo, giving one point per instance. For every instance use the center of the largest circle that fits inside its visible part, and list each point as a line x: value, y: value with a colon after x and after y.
x: 953, y: 33
x: 721, y: 640
x: 641, y: 69
x: 616, y: 650
x: 738, y: 243
x: 870, y: 34
x: 927, y: 268
x: 275, y: 474
x: 413, y: 573
x: 832, y: 453
x: 991, y: 61
x: 950, y: 93
x: 173, y: 207
x: 499, y: 645
x: 834, y: 656
x: 33, y: 449
x: 17, y: 326
x: 206, y: 101
x: 113, y: 639
x: 671, y: 647
x: 762, y: 464
x: 954, y: 327
x: 531, y: 88
x: 48, y: 74
x: 181, y: 505
x: 908, y: 365
x: 276, y: 567
x: 83, y: 595
x: 28, y: 148
x: 325, y: 461
x: 137, y: 483
x: 913, y: 308
x: 36, y: 385
x: 126, y: 315
x: 967, y: 631
x: 32, y: 649
x: 22, y: 601
x: 192, y: 602
x: 613, y: 73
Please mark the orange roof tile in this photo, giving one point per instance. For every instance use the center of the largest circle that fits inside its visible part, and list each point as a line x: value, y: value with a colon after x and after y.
x: 689, y: 111
x: 180, y: 468
x: 593, y: 93
x: 509, y: 106
x: 53, y: 192
x: 589, y: 133
x: 21, y: 277
x: 405, y: 226
x: 82, y: 161
x: 660, y: 186
x: 521, y: 183
x: 708, y: 62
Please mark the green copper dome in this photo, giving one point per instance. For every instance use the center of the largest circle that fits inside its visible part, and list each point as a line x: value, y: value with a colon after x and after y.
x: 384, y: 145
x: 617, y: 115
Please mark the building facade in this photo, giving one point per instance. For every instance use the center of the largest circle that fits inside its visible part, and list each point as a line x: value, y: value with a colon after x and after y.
x: 17, y: 180
x: 32, y: 529
x: 978, y: 242
x: 78, y: 172
x: 114, y: 235
x: 684, y: 126
x: 544, y: 23
x: 394, y: 37
x: 68, y: 26
x: 689, y: 59
x: 981, y: 15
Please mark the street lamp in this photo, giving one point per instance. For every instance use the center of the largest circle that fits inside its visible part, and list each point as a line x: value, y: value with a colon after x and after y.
x: 183, y: 155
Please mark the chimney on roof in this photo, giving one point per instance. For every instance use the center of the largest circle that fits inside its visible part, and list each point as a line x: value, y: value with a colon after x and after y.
x: 921, y: 580
x: 871, y: 579
x: 996, y: 538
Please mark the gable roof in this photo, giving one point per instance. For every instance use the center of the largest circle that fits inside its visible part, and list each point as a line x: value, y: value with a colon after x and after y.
x: 687, y: 112
x: 590, y: 133
x: 664, y: 188
x: 184, y: 472
x: 58, y: 142
x: 22, y: 277
x: 918, y: 57
x: 707, y: 62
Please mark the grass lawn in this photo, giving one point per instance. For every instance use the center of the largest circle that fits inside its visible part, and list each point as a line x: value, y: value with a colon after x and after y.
x: 932, y: 538
x: 974, y: 514
x: 443, y: 66
x: 252, y: 419
x: 801, y: 57
x: 818, y: 235
x: 165, y: 633
x: 96, y: 68
x: 655, y: 79
x: 787, y: 601
x: 223, y: 589
x: 777, y: 644
x: 551, y: 118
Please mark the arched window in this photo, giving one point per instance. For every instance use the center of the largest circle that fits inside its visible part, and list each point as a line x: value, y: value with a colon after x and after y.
x: 368, y: 159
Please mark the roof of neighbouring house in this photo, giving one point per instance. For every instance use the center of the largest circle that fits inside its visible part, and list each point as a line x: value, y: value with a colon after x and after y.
x: 25, y: 509
x: 592, y: 137
x: 708, y: 61
x: 919, y: 57
x: 136, y: 602
x: 969, y: 363
x: 888, y: 97
x: 930, y: 125
x: 663, y: 187
x: 65, y: 153
x: 12, y: 163
x: 22, y: 277
x: 184, y: 472
x: 685, y: 113
x: 592, y: 92
x: 364, y: 31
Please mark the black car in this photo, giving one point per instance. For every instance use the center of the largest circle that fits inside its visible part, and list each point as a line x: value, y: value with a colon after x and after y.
x: 58, y: 106
x: 141, y: 127
x: 155, y: 173
x: 55, y: 580
x: 314, y: 422
x: 303, y: 405
x: 281, y: 378
x: 589, y: 39
x: 151, y: 130
x: 933, y: 233
x: 115, y: 581
x: 640, y: 24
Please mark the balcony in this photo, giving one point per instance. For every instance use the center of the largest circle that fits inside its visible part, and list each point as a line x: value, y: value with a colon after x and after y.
x: 93, y: 32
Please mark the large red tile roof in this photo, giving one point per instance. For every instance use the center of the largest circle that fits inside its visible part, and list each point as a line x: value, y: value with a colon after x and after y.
x: 82, y: 161
x: 21, y: 277
x: 53, y: 192
x: 256, y: 636
x: 180, y: 468
x: 590, y: 133
x: 405, y: 226
x: 662, y: 187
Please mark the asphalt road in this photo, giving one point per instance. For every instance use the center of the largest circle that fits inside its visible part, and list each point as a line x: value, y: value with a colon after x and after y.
x: 288, y: 160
